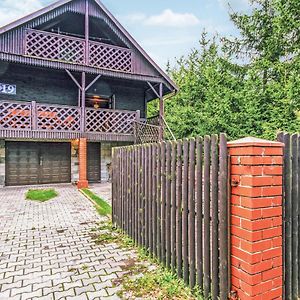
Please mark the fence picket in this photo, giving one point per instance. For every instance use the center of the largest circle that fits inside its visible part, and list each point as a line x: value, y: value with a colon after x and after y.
x: 150, y: 200
x: 163, y: 202
x: 298, y: 197
x: 199, y: 231
x: 154, y: 196
x: 185, y: 212
x: 147, y: 200
x: 173, y: 208
x: 191, y: 205
x: 179, y: 210
x: 158, y: 203
x: 288, y: 217
x: 295, y: 214
x: 214, y: 212
x: 140, y: 196
x: 168, y: 204
x: 224, y: 220
x: 136, y: 209
x: 206, y: 231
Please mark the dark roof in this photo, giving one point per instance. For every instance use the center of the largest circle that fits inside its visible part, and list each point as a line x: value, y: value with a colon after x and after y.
x: 59, y: 3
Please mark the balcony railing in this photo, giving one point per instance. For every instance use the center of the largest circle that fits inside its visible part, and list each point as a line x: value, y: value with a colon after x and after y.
x: 51, y: 46
x: 27, y: 116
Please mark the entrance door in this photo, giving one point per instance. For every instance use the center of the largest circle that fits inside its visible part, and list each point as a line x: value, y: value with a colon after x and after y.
x: 35, y: 163
x: 93, y: 162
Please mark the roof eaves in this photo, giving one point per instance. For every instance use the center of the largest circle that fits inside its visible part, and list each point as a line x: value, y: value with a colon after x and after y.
x: 33, y: 15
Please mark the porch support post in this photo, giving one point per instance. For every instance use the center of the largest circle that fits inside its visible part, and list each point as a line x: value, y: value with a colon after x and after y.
x: 83, y: 182
x: 83, y: 83
x: 161, y: 113
x: 256, y: 219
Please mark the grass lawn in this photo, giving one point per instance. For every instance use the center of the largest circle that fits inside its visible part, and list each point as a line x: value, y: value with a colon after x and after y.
x: 103, y: 208
x: 41, y: 195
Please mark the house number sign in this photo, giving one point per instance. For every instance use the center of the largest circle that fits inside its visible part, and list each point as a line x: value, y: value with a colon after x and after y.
x: 9, y: 89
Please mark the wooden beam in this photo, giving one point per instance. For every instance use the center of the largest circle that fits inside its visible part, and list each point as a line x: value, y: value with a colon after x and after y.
x: 94, y: 81
x: 153, y: 89
x: 83, y: 83
x: 74, y: 79
x: 87, y: 32
x: 149, y: 89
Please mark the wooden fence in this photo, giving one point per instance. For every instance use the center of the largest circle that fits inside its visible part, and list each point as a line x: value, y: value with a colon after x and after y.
x: 291, y: 214
x: 172, y: 198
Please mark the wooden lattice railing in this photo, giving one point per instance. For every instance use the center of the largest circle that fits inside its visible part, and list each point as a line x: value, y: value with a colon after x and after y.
x: 146, y: 133
x: 46, y: 45
x: 110, y: 57
x: 53, y: 46
x: 110, y: 121
x: 60, y: 118
x: 15, y: 115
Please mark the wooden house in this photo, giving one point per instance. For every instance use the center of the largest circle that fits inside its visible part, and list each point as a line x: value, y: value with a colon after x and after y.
x: 73, y: 84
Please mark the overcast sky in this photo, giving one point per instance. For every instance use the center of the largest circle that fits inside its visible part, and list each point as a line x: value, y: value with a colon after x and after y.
x: 165, y: 28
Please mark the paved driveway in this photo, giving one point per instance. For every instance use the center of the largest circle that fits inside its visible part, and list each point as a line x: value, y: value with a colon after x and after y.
x: 46, y: 250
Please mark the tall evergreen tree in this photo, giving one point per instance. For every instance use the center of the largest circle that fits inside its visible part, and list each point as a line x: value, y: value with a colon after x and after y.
x: 249, y: 85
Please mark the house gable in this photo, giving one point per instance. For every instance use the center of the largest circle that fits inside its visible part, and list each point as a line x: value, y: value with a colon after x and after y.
x: 110, y: 48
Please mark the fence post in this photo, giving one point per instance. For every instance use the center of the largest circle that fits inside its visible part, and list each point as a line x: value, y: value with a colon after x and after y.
x: 256, y: 219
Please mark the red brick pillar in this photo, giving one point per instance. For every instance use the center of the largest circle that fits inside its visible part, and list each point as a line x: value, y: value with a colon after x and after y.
x: 82, y: 183
x: 256, y: 219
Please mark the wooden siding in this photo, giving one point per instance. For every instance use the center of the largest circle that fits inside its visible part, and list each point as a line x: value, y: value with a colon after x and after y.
x: 37, y: 85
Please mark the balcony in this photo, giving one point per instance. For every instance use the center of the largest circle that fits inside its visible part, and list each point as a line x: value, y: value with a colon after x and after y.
x: 36, y: 120
x: 56, y: 47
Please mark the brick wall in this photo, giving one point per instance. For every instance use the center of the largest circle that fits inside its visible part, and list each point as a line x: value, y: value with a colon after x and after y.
x: 82, y: 183
x: 256, y: 219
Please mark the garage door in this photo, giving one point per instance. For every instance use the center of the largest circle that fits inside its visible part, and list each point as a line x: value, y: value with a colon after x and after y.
x: 93, y: 162
x: 36, y: 163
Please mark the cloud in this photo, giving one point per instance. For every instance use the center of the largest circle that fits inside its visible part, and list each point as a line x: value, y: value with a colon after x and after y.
x: 13, y: 10
x: 168, y: 18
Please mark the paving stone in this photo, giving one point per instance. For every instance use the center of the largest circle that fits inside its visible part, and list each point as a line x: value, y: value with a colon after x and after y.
x: 63, y: 294
x: 103, y: 285
x: 81, y: 297
x: 97, y: 294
